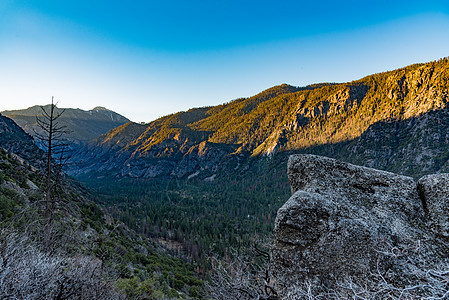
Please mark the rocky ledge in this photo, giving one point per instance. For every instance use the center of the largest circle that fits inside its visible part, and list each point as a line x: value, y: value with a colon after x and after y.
x: 347, y: 225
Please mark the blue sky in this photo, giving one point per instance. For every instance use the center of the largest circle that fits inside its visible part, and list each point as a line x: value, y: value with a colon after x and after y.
x: 146, y: 59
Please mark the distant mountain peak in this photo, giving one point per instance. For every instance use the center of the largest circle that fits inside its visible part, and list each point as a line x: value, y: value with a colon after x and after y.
x: 84, y: 125
x: 100, y: 108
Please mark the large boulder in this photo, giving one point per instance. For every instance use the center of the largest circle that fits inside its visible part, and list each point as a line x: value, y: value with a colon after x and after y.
x: 346, y: 223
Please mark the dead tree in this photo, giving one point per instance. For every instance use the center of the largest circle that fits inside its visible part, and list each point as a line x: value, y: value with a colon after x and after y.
x: 245, y: 276
x: 26, y: 272
x: 51, y: 135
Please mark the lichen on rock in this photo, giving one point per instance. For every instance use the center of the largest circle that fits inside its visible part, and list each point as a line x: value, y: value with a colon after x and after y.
x: 343, y: 221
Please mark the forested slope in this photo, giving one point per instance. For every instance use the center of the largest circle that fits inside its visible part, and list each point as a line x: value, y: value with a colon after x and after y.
x: 81, y: 252
x: 283, y: 118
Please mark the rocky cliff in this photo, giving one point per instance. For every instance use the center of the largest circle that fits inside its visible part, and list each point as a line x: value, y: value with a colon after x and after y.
x: 349, y: 229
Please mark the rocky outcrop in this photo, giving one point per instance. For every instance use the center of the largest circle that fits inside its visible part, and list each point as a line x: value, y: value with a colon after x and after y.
x: 345, y: 222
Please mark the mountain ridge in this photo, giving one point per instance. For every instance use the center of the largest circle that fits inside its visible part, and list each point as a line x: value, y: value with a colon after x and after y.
x: 282, y: 118
x: 82, y: 125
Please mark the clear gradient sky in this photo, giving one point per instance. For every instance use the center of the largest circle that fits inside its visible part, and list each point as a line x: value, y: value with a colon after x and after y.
x: 146, y: 59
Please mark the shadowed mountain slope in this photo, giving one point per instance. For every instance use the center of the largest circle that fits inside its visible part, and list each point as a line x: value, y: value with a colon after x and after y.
x: 14, y: 139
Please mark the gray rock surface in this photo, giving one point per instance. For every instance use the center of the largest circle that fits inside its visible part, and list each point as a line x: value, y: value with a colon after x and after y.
x: 345, y: 221
x: 434, y: 192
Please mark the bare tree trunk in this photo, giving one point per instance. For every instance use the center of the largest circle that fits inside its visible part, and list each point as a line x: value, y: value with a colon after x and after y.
x: 48, y: 207
x: 50, y: 135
